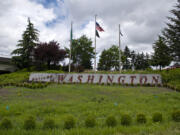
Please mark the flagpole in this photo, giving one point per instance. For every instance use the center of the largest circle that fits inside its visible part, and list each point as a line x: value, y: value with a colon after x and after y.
x: 119, y: 49
x: 70, y: 48
x: 95, y: 46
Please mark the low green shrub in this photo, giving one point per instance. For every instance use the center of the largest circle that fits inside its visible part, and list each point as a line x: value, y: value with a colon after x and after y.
x: 138, y: 84
x: 157, y: 117
x: 6, y: 124
x: 30, y: 123
x: 111, y: 121
x: 90, y: 121
x: 69, y: 122
x: 126, y: 84
x: 49, y: 123
x: 141, y: 118
x: 176, y: 115
x: 126, y: 120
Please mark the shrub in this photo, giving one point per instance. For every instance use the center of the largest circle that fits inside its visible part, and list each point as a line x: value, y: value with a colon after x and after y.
x: 141, y: 118
x: 33, y: 86
x: 29, y: 123
x: 6, y: 124
x: 90, y: 121
x: 49, y: 123
x: 126, y: 84
x: 69, y: 122
x: 40, y: 85
x: 111, y: 121
x: 157, y: 117
x: 176, y: 115
x: 126, y: 119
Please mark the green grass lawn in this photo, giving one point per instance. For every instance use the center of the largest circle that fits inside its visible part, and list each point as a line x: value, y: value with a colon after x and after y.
x: 58, y: 101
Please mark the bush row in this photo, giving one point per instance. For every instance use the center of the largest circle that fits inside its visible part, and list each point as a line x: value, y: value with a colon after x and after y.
x: 26, y: 85
x: 125, y: 84
x: 35, y: 85
x: 173, y: 87
x: 90, y: 121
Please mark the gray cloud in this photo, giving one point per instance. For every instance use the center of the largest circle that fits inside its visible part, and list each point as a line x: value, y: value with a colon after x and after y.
x: 141, y: 21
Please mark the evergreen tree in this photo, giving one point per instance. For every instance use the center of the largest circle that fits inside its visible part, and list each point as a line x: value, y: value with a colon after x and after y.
x: 147, y: 61
x: 161, y: 56
x: 24, y: 53
x: 133, y: 59
x: 127, y: 55
x: 139, y: 61
x: 172, y: 32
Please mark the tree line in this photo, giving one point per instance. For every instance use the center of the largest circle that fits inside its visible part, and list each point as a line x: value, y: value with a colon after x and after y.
x: 31, y: 53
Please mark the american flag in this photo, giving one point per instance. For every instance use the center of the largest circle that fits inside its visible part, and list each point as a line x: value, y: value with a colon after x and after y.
x: 98, y: 27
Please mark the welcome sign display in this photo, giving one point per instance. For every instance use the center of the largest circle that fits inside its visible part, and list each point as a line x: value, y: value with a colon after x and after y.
x: 97, y: 78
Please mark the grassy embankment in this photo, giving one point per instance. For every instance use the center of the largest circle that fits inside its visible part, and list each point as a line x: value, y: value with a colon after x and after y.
x: 58, y: 101
x: 170, y: 78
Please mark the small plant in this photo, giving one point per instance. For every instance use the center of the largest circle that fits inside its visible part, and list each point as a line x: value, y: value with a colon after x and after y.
x: 111, y: 121
x: 126, y: 84
x: 165, y: 85
x: 126, y: 120
x: 157, y: 117
x: 29, y: 123
x: 6, y: 124
x: 102, y: 83
x: 90, y: 121
x: 176, y: 115
x: 141, y: 118
x: 49, y: 123
x: 69, y: 122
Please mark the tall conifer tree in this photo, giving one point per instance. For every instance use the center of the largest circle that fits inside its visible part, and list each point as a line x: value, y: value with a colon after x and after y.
x: 161, y: 56
x: 172, y: 32
x: 24, y: 53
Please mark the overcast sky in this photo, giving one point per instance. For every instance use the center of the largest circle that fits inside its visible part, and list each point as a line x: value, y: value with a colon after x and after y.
x: 141, y: 21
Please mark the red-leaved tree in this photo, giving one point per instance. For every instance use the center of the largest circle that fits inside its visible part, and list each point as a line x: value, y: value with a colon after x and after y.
x: 49, y: 55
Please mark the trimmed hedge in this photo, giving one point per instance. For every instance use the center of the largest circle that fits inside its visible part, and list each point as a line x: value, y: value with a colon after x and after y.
x: 126, y: 119
x: 176, y: 115
x: 111, y: 121
x: 69, y: 122
x: 157, y: 117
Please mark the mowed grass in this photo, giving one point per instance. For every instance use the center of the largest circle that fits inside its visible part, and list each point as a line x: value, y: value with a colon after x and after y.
x: 81, y: 100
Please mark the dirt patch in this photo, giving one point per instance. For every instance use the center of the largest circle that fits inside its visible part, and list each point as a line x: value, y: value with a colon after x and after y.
x: 5, y: 92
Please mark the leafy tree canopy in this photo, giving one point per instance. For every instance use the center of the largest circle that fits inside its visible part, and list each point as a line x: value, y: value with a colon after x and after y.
x: 82, y: 52
x: 49, y: 54
x: 109, y: 59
